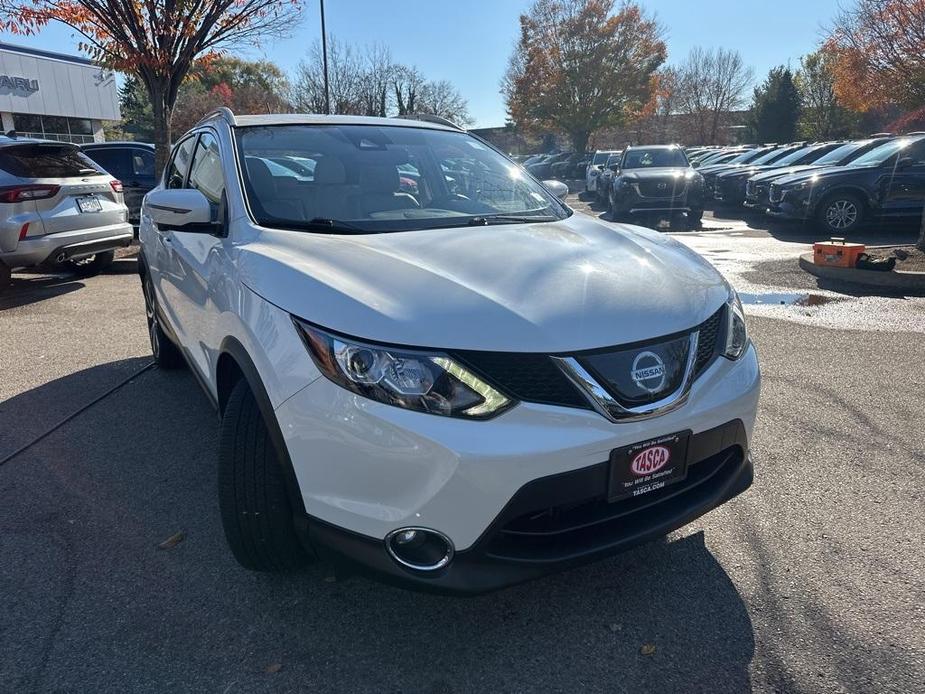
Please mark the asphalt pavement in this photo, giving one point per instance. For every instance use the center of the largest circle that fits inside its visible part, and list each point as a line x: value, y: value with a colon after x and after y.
x: 114, y: 574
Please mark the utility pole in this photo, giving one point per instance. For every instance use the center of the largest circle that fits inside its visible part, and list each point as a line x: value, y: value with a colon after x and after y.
x: 324, y: 53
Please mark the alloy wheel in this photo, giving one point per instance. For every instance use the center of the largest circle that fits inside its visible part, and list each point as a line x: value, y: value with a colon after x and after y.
x: 841, y: 214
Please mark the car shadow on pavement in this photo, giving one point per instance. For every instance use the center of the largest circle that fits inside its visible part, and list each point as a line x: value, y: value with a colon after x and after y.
x: 30, y: 289
x: 88, y: 506
x: 874, y: 233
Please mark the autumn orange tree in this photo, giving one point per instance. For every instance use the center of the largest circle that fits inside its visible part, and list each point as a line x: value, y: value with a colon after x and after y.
x: 879, y: 53
x: 581, y: 65
x: 156, y: 40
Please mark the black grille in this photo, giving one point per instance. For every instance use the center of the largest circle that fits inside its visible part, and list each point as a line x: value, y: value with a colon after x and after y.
x: 529, y: 377
x: 536, y: 378
x: 662, y: 189
x: 708, y: 342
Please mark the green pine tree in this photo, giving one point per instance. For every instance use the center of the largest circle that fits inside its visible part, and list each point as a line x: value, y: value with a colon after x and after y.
x: 776, y: 107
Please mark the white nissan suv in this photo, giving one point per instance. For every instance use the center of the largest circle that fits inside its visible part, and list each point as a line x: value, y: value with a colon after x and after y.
x: 425, y: 364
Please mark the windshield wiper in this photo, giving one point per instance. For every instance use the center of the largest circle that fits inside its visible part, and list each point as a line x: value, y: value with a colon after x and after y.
x: 331, y: 226
x: 508, y: 219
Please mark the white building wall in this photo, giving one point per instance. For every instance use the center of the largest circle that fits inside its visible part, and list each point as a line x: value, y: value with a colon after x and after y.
x: 65, y: 88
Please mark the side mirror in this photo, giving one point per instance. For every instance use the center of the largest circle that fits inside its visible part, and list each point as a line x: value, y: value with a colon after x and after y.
x: 904, y: 162
x: 557, y: 188
x: 181, y: 209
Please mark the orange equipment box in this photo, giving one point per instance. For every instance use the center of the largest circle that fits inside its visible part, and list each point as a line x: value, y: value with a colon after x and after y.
x: 837, y: 253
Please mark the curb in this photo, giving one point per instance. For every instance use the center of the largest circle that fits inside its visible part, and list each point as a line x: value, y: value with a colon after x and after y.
x: 896, y: 279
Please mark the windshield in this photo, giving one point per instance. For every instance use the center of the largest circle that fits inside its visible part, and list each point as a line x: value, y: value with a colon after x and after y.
x: 649, y: 158
x: 795, y: 156
x: 839, y: 153
x: 600, y: 157
x: 772, y: 156
x: 383, y: 178
x: 879, y: 155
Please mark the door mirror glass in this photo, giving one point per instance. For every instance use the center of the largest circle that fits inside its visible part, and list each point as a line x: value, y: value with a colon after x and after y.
x: 182, y: 209
x: 557, y: 188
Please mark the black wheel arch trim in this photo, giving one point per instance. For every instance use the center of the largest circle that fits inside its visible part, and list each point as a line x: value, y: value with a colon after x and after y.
x: 232, y: 348
x: 845, y: 189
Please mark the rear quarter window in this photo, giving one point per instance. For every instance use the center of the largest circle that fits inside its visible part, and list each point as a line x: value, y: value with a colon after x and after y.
x: 47, y: 161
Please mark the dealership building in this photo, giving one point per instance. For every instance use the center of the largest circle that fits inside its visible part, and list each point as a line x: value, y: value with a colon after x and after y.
x: 55, y: 96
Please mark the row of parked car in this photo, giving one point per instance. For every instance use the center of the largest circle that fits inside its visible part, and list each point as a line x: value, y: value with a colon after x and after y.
x: 839, y: 185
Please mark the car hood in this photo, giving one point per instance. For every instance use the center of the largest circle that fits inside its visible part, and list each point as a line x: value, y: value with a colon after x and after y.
x: 655, y: 173
x: 785, y: 171
x: 746, y: 171
x: 818, y: 172
x: 719, y: 168
x: 549, y: 287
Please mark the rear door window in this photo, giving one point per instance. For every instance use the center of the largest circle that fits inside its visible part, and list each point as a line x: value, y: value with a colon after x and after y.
x: 114, y: 160
x: 47, y: 161
x: 142, y: 163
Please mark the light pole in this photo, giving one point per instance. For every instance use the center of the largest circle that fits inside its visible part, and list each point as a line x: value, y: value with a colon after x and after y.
x: 324, y: 59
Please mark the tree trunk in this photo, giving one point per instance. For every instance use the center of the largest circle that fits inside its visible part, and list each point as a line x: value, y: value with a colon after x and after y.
x: 161, y: 130
x: 921, y: 242
x: 579, y: 140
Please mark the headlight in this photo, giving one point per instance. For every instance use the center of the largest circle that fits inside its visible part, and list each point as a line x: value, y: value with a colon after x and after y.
x: 424, y: 381
x: 736, y: 331
x: 802, y: 185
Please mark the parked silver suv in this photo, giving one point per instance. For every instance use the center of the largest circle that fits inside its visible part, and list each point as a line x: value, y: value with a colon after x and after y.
x: 58, y: 206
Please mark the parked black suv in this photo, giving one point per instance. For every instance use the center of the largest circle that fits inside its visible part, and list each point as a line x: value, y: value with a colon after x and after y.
x: 656, y: 179
x: 887, y: 182
x: 758, y: 187
x: 130, y: 162
x: 729, y: 187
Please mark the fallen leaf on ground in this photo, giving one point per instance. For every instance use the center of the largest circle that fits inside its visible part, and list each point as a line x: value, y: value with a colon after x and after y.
x: 173, y: 540
x: 274, y: 667
x: 647, y: 649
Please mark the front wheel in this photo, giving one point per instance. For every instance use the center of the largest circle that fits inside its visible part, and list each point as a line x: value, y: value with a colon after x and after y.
x: 694, y: 218
x: 840, y: 213
x: 5, y: 274
x: 256, y: 513
x: 166, y: 354
x: 91, y: 264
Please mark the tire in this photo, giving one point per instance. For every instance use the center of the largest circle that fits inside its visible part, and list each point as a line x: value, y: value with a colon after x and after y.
x: 166, y: 354
x: 840, y: 213
x: 91, y: 265
x: 256, y: 512
x: 694, y: 218
x: 5, y: 275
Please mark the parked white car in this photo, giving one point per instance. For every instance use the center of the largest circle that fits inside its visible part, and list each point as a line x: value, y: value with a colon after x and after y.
x: 456, y: 388
x: 57, y: 206
x: 595, y: 166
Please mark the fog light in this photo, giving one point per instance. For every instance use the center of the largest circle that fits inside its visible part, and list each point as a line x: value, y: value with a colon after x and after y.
x: 421, y: 549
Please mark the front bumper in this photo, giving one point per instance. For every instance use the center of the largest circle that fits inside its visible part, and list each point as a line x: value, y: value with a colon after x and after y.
x: 729, y: 191
x: 627, y: 200
x: 365, y: 469
x: 789, y: 205
x: 68, y: 244
x: 559, y: 522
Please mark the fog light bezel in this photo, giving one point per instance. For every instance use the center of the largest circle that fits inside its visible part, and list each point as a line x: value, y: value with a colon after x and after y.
x: 442, y: 563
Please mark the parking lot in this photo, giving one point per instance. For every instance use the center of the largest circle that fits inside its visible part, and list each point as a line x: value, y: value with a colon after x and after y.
x: 116, y: 577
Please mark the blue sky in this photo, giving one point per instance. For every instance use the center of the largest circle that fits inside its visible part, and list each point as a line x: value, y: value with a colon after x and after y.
x: 469, y: 42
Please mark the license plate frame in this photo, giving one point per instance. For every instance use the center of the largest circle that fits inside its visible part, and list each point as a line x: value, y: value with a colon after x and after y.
x: 652, y: 471
x: 89, y: 204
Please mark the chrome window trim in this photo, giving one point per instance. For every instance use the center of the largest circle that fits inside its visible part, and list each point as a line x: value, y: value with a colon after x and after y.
x: 608, y: 406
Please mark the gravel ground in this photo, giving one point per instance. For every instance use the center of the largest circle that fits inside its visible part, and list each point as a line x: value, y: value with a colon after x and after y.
x: 810, y: 581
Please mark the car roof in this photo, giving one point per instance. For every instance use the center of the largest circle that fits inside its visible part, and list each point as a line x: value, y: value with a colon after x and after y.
x: 653, y: 147
x: 12, y: 141
x: 117, y: 143
x: 319, y: 119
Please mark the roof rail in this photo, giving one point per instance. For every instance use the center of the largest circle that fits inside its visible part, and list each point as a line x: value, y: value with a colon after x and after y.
x: 431, y: 118
x: 916, y: 132
x: 881, y: 135
x: 222, y: 112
